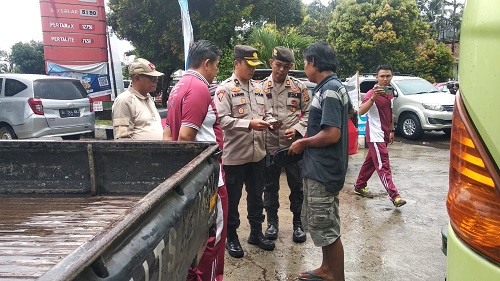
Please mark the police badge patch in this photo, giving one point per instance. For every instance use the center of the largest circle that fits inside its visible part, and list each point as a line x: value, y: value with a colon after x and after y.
x: 220, y: 94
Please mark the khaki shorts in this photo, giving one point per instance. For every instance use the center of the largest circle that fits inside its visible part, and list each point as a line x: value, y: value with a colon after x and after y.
x: 320, y: 213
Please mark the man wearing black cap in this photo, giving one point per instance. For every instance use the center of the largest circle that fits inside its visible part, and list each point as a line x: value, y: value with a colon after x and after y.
x: 288, y: 97
x: 243, y: 115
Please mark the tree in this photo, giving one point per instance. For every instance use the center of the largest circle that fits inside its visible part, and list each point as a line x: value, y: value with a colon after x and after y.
x: 370, y: 33
x: 5, y: 62
x: 316, y: 17
x: 434, y: 61
x: 444, y: 17
x: 266, y: 38
x: 154, y: 27
x: 28, y: 57
x: 282, y: 13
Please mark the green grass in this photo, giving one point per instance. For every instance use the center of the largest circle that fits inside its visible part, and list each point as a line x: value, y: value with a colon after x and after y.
x: 104, y: 122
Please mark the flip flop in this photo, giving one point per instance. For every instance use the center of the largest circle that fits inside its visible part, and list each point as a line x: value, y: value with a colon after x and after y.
x: 314, y: 277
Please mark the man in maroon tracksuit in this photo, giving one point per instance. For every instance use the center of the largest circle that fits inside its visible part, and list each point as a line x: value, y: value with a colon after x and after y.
x: 379, y: 132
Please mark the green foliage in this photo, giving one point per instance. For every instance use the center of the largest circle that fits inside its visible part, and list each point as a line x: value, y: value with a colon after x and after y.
x: 282, y: 13
x: 266, y: 38
x: 434, y: 62
x: 226, y: 64
x: 28, y: 57
x: 376, y: 32
x: 317, y: 15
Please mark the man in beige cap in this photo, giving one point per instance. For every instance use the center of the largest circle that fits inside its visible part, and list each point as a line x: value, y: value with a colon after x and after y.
x: 288, y: 97
x: 134, y: 113
x: 243, y: 115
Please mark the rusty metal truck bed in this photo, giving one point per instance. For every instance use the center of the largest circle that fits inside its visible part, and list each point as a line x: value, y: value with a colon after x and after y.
x: 36, y: 233
x: 105, y: 210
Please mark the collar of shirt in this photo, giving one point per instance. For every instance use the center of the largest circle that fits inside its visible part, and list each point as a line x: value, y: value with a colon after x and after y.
x: 271, y: 84
x: 139, y: 95
x: 324, y: 81
x: 197, y: 75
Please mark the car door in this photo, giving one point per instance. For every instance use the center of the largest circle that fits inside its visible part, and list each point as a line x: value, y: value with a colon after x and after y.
x: 14, y: 109
x: 65, y: 103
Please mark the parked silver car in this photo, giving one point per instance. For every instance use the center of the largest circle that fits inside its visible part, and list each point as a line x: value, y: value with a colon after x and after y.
x: 418, y: 105
x: 34, y: 106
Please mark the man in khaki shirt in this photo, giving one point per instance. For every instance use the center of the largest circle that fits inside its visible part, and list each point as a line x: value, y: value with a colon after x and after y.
x: 288, y: 98
x: 134, y: 113
x: 243, y: 115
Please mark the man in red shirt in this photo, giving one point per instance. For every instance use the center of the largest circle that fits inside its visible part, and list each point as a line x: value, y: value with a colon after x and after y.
x: 192, y: 116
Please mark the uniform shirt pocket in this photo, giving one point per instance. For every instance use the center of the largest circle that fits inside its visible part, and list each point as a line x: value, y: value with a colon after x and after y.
x: 240, y: 107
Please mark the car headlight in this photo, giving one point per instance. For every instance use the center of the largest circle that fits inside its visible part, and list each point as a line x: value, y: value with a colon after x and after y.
x: 433, y: 106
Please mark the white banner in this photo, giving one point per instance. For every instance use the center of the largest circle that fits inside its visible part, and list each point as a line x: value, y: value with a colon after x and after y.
x: 187, y: 29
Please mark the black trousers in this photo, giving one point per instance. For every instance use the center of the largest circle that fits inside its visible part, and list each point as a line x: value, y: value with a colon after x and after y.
x: 272, y: 187
x: 252, y: 175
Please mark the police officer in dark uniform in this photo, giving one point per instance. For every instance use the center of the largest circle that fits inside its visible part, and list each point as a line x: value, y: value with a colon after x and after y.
x: 243, y: 115
x: 290, y: 102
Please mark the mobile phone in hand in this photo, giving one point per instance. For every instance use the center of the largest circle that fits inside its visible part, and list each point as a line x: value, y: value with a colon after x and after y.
x: 387, y: 89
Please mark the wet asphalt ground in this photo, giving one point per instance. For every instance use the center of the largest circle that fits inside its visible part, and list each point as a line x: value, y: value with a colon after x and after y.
x: 380, y: 241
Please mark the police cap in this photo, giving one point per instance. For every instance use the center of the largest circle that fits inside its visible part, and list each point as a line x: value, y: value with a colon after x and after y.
x: 283, y: 54
x: 248, y: 53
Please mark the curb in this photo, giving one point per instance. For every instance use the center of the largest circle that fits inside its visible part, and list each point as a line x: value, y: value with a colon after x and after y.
x: 103, y: 132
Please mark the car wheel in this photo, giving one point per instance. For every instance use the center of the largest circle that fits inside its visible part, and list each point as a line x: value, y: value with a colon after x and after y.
x: 409, y: 127
x: 71, y: 137
x: 6, y: 133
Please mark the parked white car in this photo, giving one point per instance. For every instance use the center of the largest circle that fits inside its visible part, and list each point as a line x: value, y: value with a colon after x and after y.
x: 33, y: 106
x: 418, y: 105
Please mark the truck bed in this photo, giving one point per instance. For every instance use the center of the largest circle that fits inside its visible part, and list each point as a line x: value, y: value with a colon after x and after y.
x: 105, y: 210
x: 37, y: 233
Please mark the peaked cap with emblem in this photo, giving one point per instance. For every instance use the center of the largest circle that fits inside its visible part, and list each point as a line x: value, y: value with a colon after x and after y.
x: 283, y: 54
x: 248, y: 53
x: 142, y: 66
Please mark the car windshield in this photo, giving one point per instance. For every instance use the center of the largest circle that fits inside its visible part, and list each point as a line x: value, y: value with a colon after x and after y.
x: 416, y: 86
x: 59, y: 89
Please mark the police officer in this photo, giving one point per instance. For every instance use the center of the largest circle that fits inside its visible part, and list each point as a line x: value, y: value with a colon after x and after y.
x: 243, y: 115
x: 288, y: 98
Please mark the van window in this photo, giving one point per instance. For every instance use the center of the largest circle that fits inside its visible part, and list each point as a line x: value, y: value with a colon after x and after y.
x: 13, y: 87
x: 59, y: 89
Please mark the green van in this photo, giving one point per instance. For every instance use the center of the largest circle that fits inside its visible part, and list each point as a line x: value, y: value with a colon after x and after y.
x: 473, y: 203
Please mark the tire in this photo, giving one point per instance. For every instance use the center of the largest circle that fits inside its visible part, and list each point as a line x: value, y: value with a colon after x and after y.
x: 409, y: 127
x: 6, y: 133
x: 71, y: 137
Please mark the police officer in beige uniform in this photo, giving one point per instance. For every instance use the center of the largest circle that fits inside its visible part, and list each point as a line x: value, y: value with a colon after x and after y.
x: 288, y: 97
x: 243, y: 115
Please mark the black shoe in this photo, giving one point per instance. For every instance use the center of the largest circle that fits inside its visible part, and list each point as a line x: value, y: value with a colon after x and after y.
x: 272, y: 231
x: 261, y: 241
x: 299, y: 236
x: 234, y: 249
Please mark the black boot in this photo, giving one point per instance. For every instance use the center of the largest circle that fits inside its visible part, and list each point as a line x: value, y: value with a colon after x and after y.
x: 272, y: 226
x: 257, y: 238
x: 299, y: 235
x: 233, y: 247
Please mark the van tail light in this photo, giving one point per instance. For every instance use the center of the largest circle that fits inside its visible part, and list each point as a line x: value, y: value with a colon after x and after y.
x: 36, y: 105
x: 91, y: 104
x: 473, y: 201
